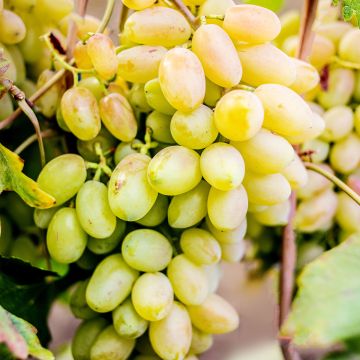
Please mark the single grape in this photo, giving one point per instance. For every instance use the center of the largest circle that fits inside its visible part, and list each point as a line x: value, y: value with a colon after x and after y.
x: 160, y: 127
x: 157, y: 213
x: 347, y: 50
x: 200, y: 341
x: 295, y: 173
x: 274, y: 215
x: 42, y: 217
x: 124, y: 149
x: 12, y: 27
x: 137, y: 98
x: 78, y: 304
x: 156, y: 99
x: 233, y: 253
x: 348, y: 213
x: 307, y: 77
x: 81, y: 56
x: 213, y: 93
x: 94, y: 85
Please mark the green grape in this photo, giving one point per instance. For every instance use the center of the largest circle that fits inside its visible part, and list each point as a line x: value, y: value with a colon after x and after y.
x: 94, y: 85
x: 307, y: 77
x: 146, y: 250
x: 11, y: 72
x: 85, y: 337
x: 23, y: 5
x: 214, y: 316
x: 152, y: 296
x: 12, y: 27
x: 23, y: 248
x: 182, y: 79
x: 174, y: 170
x: 6, y: 235
x: 156, y: 99
x: 213, y: 93
x: 308, y: 252
x: 63, y: 177
x: 227, y: 209
x: 118, y: 117
x: 60, y: 120
x: 210, y: 7
x: 137, y: 98
x: 140, y: 64
x: 190, y: 208
x: 230, y: 236
x: 290, y: 25
x: 171, y: 336
x: 65, y: 239
x: 20, y: 213
x: 274, y: 5
x: 124, y: 149
x: 200, y: 341
x: 130, y: 195
x: 6, y: 106
x: 233, y: 253
x: 217, y: 54
x: 101, y: 51
x: 110, y: 284
x: 81, y: 112
x: 19, y: 63
x: 42, y: 217
x: 93, y: 210
x: 157, y: 213
x: 266, y: 189
x: 200, y: 246
x: 108, y: 244
x: 348, y: 213
x: 319, y: 148
x: 188, y: 280
x: 222, y: 166
x: 274, y: 215
x: 88, y: 260
x: 81, y: 56
x: 31, y: 47
x: 109, y: 345
x: 265, y: 145
x: 347, y: 50
x: 296, y: 174
x: 160, y: 127
x: 157, y: 26
x: 78, y: 304
x: 138, y: 4
x: 127, y: 322
x: 193, y: 2
x: 279, y: 103
x: 48, y: 9
x: 239, y: 115
x: 195, y: 129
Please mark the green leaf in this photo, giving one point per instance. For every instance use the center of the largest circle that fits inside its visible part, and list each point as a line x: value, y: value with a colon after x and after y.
x: 326, y: 309
x: 350, y: 8
x: 11, y: 178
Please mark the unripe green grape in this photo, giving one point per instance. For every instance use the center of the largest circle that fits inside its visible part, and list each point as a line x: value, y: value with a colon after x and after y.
x: 42, y: 217
x: 189, y: 208
x: 94, y: 85
x: 214, y: 316
x: 319, y: 148
x: 55, y: 10
x: 60, y: 120
x: 157, y: 213
x: 130, y: 194
x: 157, y: 25
x: 146, y: 250
x: 108, y: 244
x: 23, y: 248
x: 213, y: 93
x: 6, y: 106
x: 227, y: 209
x: 171, y: 336
x: 200, y: 341
x: 308, y: 252
x: 65, y: 239
x: 109, y: 345
x: 19, y: 63
x: 195, y: 129
x: 152, y: 296
x: 81, y: 112
x: 274, y: 215
x: 188, y: 280
x: 160, y: 127
x: 62, y: 177
x: 200, y: 246
x: 307, y: 77
x: 78, y: 304
x: 12, y: 27
x: 347, y: 50
x: 127, y: 322
x: 88, y: 260
x: 118, y: 117
x: 137, y: 98
x: 233, y: 253
x: 11, y: 72
x: 296, y: 174
x: 182, y: 79
x: 174, y: 170
x: 239, y: 115
x: 124, y: 149
x: 5, y: 235
x: 140, y: 64
x: 348, y: 213
x: 93, y: 210
x: 110, y: 284
x: 156, y: 99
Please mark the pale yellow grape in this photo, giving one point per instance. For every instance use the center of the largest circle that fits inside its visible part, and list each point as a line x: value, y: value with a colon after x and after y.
x: 316, y: 108
x: 53, y: 10
x: 348, y: 213
x: 22, y: 5
x: 159, y: 124
x: 110, y: 284
x: 94, y: 85
x: 345, y: 154
x: 18, y: 62
x: 42, y: 217
x: 264, y: 64
x: 255, y: 208
x: 210, y: 7
x: 84, y: 25
x: 110, y: 345
x: 152, y: 296
x: 193, y: 2
x: 138, y: 4
x: 251, y: 24
x: 174, y: 170
x: 127, y: 322
x: 227, y: 209
x: 279, y: 104
x: 195, y: 129
x: 81, y: 56
x: 319, y: 148
x: 31, y: 47
x: 334, y: 31
x: 156, y: 99
x: 214, y: 316
x: 230, y: 236
x: 290, y: 25
x: 140, y: 64
x: 347, y: 49
x: 118, y: 117
x: 316, y: 213
x: 124, y: 149
x: 341, y: 85
x: 233, y: 253
x: 356, y: 93
x: 12, y: 27
x: 222, y: 166
x: 357, y: 120
x: 265, y: 153
x: 130, y: 195
x: 295, y: 173
x: 137, y: 99
x: 188, y: 280
x: 214, y: 274
x: 326, y: 12
x: 200, y: 246
x: 213, y: 93
x: 146, y: 250
x: 182, y: 79
x: 6, y: 106
x: 239, y: 115
x: 158, y: 25
x: 322, y: 51
x: 274, y: 215
x: 266, y: 189
x: 171, y: 336
x: 190, y: 208
x: 217, y: 54
x: 157, y: 213
x: 200, y: 341
x: 307, y: 77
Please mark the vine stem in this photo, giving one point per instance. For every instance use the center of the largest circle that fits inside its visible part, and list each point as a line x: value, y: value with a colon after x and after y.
x: 31, y: 139
x: 107, y: 15
x: 186, y: 12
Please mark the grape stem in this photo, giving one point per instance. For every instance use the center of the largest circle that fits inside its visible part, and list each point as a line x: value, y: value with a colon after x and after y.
x: 31, y: 139
x: 106, y: 17
x: 186, y: 12
x: 334, y: 179
x: 100, y: 167
x: 344, y: 63
x: 149, y: 144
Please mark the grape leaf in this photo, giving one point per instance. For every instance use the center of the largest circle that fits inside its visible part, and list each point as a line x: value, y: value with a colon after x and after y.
x: 350, y: 8
x: 11, y: 178
x: 326, y: 309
